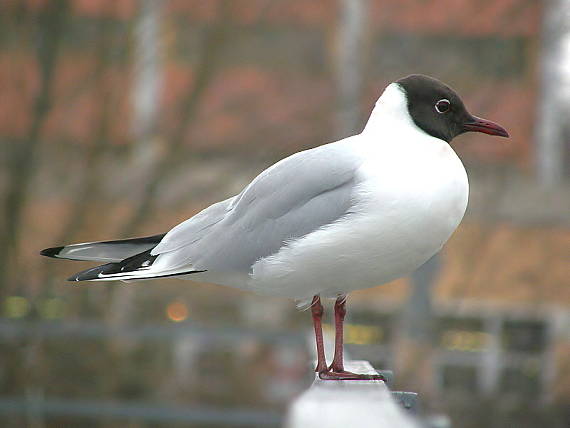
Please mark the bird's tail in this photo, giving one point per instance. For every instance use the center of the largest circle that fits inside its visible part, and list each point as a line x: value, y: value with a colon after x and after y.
x: 104, y: 251
x: 138, y: 267
x: 130, y: 260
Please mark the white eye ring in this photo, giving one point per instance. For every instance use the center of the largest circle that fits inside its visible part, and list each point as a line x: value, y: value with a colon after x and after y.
x: 445, y: 102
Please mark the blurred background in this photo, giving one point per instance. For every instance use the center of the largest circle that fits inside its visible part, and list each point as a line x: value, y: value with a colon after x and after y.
x: 123, y: 118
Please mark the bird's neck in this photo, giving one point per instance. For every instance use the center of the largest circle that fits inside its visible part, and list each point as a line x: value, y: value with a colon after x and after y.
x: 390, y: 112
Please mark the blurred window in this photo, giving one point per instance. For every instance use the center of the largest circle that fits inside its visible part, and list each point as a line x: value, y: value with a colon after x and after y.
x: 462, y: 334
x: 369, y: 335
x: 524, y: 336
x: 522, y: 380
x: 366, y: 327
x: 472, y: 347
x: 457, y: 377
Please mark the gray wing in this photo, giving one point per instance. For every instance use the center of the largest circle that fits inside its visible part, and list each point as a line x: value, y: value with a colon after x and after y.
x: 194, y: 229
x: 292, y: 198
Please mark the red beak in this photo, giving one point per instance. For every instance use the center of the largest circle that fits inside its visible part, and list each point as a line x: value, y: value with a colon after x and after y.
x: 476, y: 124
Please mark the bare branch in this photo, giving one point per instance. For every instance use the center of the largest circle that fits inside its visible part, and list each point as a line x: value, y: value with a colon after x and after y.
x: 52, y: 25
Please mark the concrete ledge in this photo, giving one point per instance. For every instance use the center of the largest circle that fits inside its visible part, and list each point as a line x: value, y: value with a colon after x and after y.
x: 344, y: 404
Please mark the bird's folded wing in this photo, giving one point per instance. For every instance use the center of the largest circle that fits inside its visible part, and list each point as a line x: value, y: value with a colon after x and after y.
x: 292, y: 198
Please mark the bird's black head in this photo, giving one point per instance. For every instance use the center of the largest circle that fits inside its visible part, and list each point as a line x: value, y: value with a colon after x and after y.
x: 438, y: 110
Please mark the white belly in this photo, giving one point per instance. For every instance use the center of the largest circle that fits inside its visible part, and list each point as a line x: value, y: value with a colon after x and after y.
x: 405, y: 212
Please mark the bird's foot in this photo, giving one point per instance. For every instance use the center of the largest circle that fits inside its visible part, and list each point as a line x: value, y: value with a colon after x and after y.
x: 344, y: 375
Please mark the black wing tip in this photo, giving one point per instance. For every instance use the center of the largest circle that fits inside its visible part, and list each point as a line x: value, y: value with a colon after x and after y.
x: 79, y: 277
x: 92, y: 273
x: 51, y: 252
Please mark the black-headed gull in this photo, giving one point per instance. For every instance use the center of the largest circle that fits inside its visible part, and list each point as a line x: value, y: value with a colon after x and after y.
x: 323, y: 222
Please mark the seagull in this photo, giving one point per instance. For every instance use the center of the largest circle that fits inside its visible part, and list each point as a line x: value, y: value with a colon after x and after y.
x: 323, y: 222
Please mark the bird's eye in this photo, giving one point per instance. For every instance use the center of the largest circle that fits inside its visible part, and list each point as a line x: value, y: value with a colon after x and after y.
x: 442, y: 106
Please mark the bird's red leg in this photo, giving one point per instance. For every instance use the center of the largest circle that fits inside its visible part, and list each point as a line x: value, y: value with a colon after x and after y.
x: 336, y: 370
x: 317, y: 312
x: 339, y: 314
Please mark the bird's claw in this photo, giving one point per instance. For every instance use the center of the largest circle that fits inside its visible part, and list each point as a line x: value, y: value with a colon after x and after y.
x: 345, y: 375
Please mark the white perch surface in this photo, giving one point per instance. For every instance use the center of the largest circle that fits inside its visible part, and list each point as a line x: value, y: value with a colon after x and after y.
x: 363, y: 404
